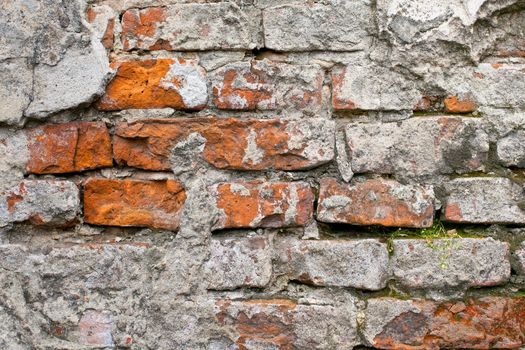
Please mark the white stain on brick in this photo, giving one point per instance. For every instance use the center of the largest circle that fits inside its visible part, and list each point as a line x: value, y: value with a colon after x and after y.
x: 189, y: 81
x: 252, y: 154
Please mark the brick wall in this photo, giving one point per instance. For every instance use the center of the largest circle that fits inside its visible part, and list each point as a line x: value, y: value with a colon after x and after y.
x: 262, y: 174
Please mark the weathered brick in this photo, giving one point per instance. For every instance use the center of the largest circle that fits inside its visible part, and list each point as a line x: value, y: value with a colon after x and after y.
x: 496, y: 85
x: 375, y: 202
x: 69, y: 147
x: 156, y: 83
x: 519, y: 254
x: 510, y: 149
x: 305, y: 27
x: 94, y: 266
x: 102, y: 20
x: 15, y: 89
x: 450, y: 262
x: 154, y: 204
x: 229, y: 143
x: 436, y: 145
x: 453, y: 104
x: 260, y: 204
x: 370, y: 87
x: 266, y: 85
x: 484, y: 200
x: 284, y: 324
x: 210, y: 26
x: 42, y: 202
x: 487, y: 323
x: 95, y: 328
x: 239, y: 262
x: 359, y: 264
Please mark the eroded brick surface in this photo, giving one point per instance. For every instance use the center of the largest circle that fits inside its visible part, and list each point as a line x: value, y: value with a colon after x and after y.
x: 511, y: 149
x: 41, y: 202
x: 259, y: 204
x: 284, y: 324
x: 266, y: 85
x: 228, y: 143
x: 449, y: 263
x: 368, y: 87
x: 436, y: 145
x: 375, y: 202
x: 189, y: 26
x: 342, y: 27
x: 361, y: 264
x: 483, y: 201
x: 487, y: 323
x: 69, y: 147
x: 156, y: 83
x: 133, y: 203
x: 249, y: 229
x: 239, y: 262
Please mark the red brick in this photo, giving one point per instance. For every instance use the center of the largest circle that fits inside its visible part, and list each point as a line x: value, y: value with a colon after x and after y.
x: 488, y: 323
x: 142, y: 26
x: 375, y: 202
x: 154, y: 204
x: 283, y: 324
x: 257, y: 204
x: 70, y: 147
x: 230, y: 143
x: 453, y: 104
x: 266, y: 85
x: 161, y: 83
x: 429, y: 104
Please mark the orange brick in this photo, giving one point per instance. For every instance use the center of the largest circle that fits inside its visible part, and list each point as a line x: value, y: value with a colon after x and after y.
x: 267, y: 85
x: 141, y: 26
x: 154, y: 204
x: 456, y: 105
x: 70, y: 147
x: 488, y: 323
x: 230, y: 143
x: 161, y: 83
x: 256, y: 204
x: 375, y: 202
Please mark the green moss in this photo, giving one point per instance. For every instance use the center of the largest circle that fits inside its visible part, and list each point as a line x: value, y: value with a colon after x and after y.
x: 436, y: 231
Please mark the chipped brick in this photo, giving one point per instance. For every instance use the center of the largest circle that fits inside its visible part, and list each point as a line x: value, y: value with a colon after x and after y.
x: 266, y: 85
x: 230, y: 143
x: 491, y: 322
x: 69, y: 147
x: 437, y: 145
x: 361, y: 264
x: 375, y: 202
x: 41, y: 202
x: 209, y: 26
x: 284, y: 324
x: 356, y: 87
x: 154, y: 204
x: 239, y: 262
x: 450, y: 262
x: 484, y: 200
x: 259, y: 204
x: 156, y: 83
